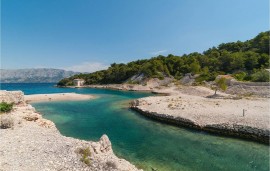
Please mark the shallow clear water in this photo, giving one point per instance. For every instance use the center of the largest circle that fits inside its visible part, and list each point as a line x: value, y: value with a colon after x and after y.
x: 146, y: 143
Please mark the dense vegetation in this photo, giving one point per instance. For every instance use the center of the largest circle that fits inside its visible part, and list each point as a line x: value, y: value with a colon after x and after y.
x: 5, y: 107
x: 246, y: 61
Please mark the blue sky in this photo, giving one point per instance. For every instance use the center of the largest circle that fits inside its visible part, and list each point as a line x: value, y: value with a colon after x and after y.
x: 88, y: 35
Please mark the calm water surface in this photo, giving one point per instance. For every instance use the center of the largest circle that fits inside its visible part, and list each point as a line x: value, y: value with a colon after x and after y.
x: 145, y: 143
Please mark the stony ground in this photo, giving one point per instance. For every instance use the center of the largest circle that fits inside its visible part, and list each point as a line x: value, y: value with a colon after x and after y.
x: 193, y: 103
x: 34, y: 144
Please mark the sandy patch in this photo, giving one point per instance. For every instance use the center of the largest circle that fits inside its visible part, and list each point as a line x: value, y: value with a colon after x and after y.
x: 57, y: 97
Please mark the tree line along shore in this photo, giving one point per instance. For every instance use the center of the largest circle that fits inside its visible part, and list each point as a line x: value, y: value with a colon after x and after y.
x: 245, y: 61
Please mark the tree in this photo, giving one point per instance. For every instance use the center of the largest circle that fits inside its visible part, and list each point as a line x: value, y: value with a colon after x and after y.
x: 237, y: 61
x: 225, y: 61
x: 65, y: 82
x: 264, y: 61
x: 220, y: 84
x: 261, y: 43
x: 195, y: 67
x: 251, y: 60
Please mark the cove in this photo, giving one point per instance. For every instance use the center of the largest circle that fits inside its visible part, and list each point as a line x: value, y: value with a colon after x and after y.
x: 149, y: 144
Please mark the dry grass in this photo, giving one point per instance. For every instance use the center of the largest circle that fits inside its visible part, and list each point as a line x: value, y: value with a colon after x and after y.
x: 86, y: 154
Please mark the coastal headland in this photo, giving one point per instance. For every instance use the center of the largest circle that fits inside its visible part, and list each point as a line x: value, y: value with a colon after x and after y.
x: 30, y: 142
x: 196, y: 107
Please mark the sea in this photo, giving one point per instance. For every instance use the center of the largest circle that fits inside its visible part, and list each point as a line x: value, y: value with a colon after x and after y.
x: 148, y: 144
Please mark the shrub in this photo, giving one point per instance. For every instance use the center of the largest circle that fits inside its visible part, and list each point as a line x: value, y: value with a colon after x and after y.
x: 260, y: 76
x: 206, y: 76
x: 85, y: 153
x: 240, y: 76
x: 202, y: 77
x: 6, y: 121
x: 5, y: 107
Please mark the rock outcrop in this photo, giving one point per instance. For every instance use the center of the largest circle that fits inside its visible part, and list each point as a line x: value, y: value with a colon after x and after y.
x: 11, y: 96
x: 34, y: 143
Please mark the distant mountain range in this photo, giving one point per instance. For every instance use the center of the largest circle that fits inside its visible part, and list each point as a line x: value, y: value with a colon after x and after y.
x: 41, y: 75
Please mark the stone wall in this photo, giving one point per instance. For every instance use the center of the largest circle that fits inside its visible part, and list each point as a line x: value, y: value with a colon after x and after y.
x: 11, y: 96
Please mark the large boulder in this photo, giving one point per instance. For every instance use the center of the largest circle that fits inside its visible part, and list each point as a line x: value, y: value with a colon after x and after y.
x: 188, y: 79
x: 104, y: 145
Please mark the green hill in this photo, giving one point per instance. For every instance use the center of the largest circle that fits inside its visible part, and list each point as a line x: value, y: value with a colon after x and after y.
x: 246, y: 61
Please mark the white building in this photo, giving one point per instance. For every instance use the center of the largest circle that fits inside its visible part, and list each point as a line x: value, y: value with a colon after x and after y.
x: 78, y: 82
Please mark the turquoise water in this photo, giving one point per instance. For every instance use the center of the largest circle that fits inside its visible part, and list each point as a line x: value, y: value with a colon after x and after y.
x: 145, y: 143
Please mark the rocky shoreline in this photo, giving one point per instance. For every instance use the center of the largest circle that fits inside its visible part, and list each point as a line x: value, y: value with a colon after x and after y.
x: 30, y: 142
x: 218, y: 116
x: 240, y: 131
x: 125, y: 87
x: 251, y: 127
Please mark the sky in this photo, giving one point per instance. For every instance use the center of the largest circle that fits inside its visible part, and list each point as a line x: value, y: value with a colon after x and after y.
x: 89, y: 35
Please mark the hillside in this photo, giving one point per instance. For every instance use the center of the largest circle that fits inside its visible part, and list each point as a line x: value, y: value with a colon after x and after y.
x: 42, y: 75
x: 246, y: 61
